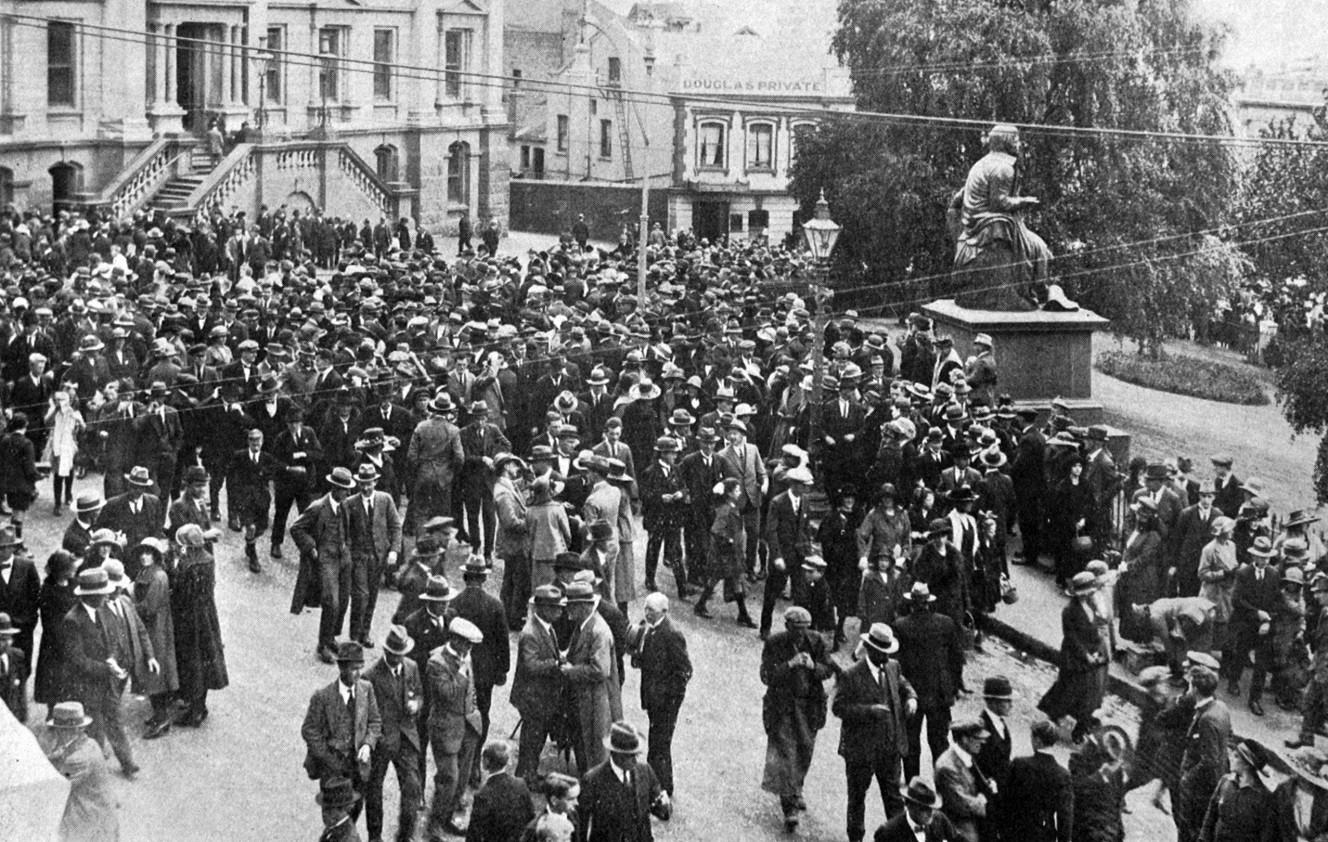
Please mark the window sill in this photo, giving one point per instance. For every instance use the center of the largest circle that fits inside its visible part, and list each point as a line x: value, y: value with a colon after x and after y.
x: 760, y: 170
x: 712, y: 168
x: 62, y: 112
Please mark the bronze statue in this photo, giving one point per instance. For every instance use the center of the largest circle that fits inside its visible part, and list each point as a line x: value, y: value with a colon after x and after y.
x: 999, y: 263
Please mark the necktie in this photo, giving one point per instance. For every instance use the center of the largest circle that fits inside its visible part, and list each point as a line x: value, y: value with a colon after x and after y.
x: 350, y: 706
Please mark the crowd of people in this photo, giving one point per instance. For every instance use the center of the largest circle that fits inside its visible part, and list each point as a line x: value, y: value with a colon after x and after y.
x: 486, y: 435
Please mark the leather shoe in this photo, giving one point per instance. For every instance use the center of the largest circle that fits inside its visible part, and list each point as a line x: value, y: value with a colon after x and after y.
x: 276, y: 552
x: 326, y: 655
x: 1299, y: 742
x: 700, y: 610
x: 157, y: 729
x: 1256, y: 707
x: 1233, y: 687
x: 748, y: 623
x: 367, y: 642
x: 254, y: 566
x: 129, y: 770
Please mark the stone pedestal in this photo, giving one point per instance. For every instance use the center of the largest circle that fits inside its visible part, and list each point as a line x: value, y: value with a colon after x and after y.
x: 1040, y: 355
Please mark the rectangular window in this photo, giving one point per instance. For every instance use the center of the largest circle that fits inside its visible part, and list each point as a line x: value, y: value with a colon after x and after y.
x: 606, y: 138
x: 539, y: 162
x: 384, y: 56
x: 331, y: 42
x: 525, y: 157
x: 562, y: 132
x: 615, y: 70
x: 516, y: 78
x: 276, y: 42
x: 61, y: 56
x: 458, y: 164
x: 760, y: 146
x: 712, y: 145
x: 735, y: 222
x: 594, y: 106
x: 456, y: 60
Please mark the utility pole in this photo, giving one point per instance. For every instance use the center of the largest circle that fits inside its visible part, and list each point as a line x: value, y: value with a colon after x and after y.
x: 642, y: 236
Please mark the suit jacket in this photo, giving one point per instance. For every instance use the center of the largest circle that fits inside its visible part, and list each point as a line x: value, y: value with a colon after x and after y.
x: 371, y: 542
x: 428, y: 634
x: 158, y: 438
x: 150, y: 521
x: 1040, y: 800
x: 654, y: 485
x: 962, y: 797
x: 391, y: 696
x: 537, y: 685
x: 1190, y: 535
x: 331, y: 740
x: 700, y: 480
x: 318, y: 530
x: 931, y: 657
x: 1250, y: 595
x: 1229, y: 496
x: 788, y: 535
x: 500, y: 811
x: 248, y: 478
x: 611, y: 812
x: 399, y: 421
x: 1205, y: 759
x: 451, y: 688
x: 749, y: 470
x: 994, y: 758
x: 310, y: 458
x: 869, y: 735
x: 513, y: 538
x: 1028, y: 468
x: 88, y: 645
x: 492, y: 659
x: 898, y: 830
x: 661, y: 655
x: 19, y: 598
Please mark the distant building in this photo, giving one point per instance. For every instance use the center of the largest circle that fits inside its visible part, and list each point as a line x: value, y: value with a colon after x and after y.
x: 1290, y: 92
x: 704, y: 99
x: 358, y: 109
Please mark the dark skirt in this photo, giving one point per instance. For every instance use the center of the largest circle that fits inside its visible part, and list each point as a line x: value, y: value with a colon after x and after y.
x: 1075, y: 694
x: 199, y: 654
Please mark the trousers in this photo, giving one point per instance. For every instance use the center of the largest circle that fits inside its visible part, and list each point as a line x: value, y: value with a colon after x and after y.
x: 448, y: 785
x: 659, y: 742
x: 334, y: 598
x: 888, y: 772
x: 405, y: 760
x: 285, y: 499
x: 665, y: 537
x: 103, y: 706
x: 366, y: 576
x: 938, y: 737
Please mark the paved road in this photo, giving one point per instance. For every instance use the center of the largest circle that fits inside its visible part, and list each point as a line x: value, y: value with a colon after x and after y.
x: 240, y: 775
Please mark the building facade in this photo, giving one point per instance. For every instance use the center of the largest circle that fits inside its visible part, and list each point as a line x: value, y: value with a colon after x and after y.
x: 359, y: 110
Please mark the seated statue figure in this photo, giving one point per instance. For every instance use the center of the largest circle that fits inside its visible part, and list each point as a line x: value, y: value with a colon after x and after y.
x: 999, y: 263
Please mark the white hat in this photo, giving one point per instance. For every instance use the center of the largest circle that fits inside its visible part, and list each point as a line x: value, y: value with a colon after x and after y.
x: 463, y: 628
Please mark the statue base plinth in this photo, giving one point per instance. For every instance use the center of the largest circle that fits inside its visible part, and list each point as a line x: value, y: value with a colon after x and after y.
x: 1040, y: 354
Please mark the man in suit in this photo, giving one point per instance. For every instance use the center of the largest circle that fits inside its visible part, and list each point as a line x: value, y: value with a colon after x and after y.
x: 1103, y: 482
x: 512, y: 543
x: 1229, y: 495
x: 245, y: 371
x: 659, y: 650
x: 874, y: 700
x: 454, y: 722
x: 433, y: 459
x: 964, y: 792
x: 1038, y: 793
x: 745, y: 463
x: 78, y: 534
x: 98, y: 680
x: 427, y: 626
x: 159, y: 438
x: 501, y: 808
x: 1255, y: 598
x: 921, y: 820
x: 1193, y: 531
x: 596, y: 404
x: 399, y: 694
x: 700, y: 471
x: 994, y: 759
x: 663, y: 505
x: 375, y: 542
x: 1157, y: 487
x: 118, y: 436
x: 843, y: 420
x: 592, y: 673
x: 788, y: 535
x: 1204, y: 757
x: 481, y: 441
x: 299, y: 455
x: 537, y: 685
x: 136, y: 513
x: 1028, y: 473
x: 492, y: 657
x: 619, y: 795
x: 931, y: 657
x: 20, y: 592
x: 322, y: 532
x: 342, y: 725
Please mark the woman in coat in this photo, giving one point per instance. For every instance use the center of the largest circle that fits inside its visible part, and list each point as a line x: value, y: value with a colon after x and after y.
x: 52, y: 684
x: 1217, y: 577
x: 1081, y: 683
x: 152, y: 598
x: 726, y: 560
x: 66, y: 425
x: 1070, y: 506
x: 199, y: 655
x: 1142, y: 579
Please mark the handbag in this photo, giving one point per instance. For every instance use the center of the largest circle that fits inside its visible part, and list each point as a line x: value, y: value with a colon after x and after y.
x: 1009, y: 591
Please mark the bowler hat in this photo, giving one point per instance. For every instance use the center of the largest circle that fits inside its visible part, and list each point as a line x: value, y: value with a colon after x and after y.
x: 997, y: 687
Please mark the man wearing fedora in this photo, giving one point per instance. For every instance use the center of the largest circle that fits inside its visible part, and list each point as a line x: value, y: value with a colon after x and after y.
x: 1193, y: 531
x: 663, y: 508
x: 512, y: 539
x: 921, y: 819
x: 538, y: 683
x: 492, y: 657
x: 745, y: 463
x: 342, y: 724
x: 374, y: 535
x: 619, y: 795
x: 454, y: 722
x: 322, y: 532
x: 482, y: 441
x: 788, y: 536
x: 20, y: 596
x: 427, y: 627
x: 874, y: 700
x: 97, y: 678
x: 590, y: 669
x: 701, y: 471
x: 160, y: 436
x: 433, y: 459
x: 299, y: 455
x: 400, y: 696
x: 250, y: 471
x: 137, y: 514
x: 78, y: 534
x: 931, y: 658
x: 90, y: 810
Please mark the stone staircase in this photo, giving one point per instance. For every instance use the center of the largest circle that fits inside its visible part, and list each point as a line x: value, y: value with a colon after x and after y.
x: 175, y: 192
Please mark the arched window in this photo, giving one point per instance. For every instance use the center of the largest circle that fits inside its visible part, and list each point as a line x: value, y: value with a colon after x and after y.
x: 711, y: 145
x: 761, y: 146
x: 458, y: 173
x: 66, y: 180
x: 386, y: 159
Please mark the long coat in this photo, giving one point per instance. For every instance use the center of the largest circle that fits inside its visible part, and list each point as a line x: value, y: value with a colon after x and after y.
x: 200, y: 658
x: 610, y: 812
x: 53, y: 682
x: 793, y: 710
x: 152, y: 598
x: 90, y: 811
x: 593, y: 678
x: 434, y: 457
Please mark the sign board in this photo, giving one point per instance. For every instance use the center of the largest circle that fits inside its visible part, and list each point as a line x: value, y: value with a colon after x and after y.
x: 763, y: 87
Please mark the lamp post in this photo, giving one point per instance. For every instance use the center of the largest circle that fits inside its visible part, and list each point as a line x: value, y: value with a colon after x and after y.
x: 820, y: 233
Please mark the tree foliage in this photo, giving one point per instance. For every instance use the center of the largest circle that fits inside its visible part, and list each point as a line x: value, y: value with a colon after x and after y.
x: 1145, y: 65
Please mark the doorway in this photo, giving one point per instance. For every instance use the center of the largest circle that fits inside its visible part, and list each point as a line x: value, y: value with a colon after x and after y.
x: 710, y: 220
x: 198, y: 68
x: 66, y: 180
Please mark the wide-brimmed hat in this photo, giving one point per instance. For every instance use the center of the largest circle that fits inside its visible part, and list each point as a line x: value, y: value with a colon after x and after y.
x: 90, y: 343
x: 341, y: 478
x: 920, y: 593
x: 938, y: 526
x: 565, y: 402
x: 437, y: 589
x: 997, y: 687
x: 1261, y: 547
x: 367, y: 473
x: 1300, y: 517
x: 89, y: 501
x: 1083, y: 584
x: 962, y: 494
x: 398, y: 641
x: 799, y: 475
x: 993, y: 458
x: 645, y: 390
x: 94, y: 581
x: 336, y: 793
x: 1196, y: 658
x: 1254, y: 753
x: 918, y: 792
x: 68, y: 715
x: 1308, y: 763
x: 599, y: 376
x: 442, y: 404
x: 881, y: 638
x: 737, y: 424
x: 438, y: 522
x: 154, y: 545
x: 707, y: 434
x: 548, y: 596
x: 580, y: 592
x: 139, y: 476
x: 681, y: 418
x: 1294, y: 576
x: 623, y: 739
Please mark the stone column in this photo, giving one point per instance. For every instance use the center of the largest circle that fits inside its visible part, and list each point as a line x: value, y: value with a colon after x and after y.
x: 227, y: 64
x: 172, y: 52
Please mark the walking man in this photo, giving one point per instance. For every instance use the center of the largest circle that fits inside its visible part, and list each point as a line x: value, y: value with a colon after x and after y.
x: 659, y: 650
x: 399, y: 694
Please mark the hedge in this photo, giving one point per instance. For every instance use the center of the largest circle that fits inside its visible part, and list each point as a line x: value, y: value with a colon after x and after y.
x: 1184, y: 375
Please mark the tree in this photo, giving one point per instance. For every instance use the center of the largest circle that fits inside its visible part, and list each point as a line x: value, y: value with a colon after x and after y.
x: 1088, y: 65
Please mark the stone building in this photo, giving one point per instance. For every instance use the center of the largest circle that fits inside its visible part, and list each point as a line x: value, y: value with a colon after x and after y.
x: 361, y: 110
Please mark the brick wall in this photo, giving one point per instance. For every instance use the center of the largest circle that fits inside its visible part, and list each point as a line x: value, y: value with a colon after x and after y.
x: 550, y: 207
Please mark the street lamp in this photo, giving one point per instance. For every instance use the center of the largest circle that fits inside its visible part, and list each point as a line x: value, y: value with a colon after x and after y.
x: 821, y: 233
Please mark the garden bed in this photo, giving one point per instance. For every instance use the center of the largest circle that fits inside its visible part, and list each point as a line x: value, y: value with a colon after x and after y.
x: 1184, y: 375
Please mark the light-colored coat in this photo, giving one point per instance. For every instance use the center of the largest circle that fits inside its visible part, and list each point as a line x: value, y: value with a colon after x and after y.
x: 594, y: 680
x: 153, y: 600
x: 513, y: 538
x: 451, y: 689
x: 961, y: 800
